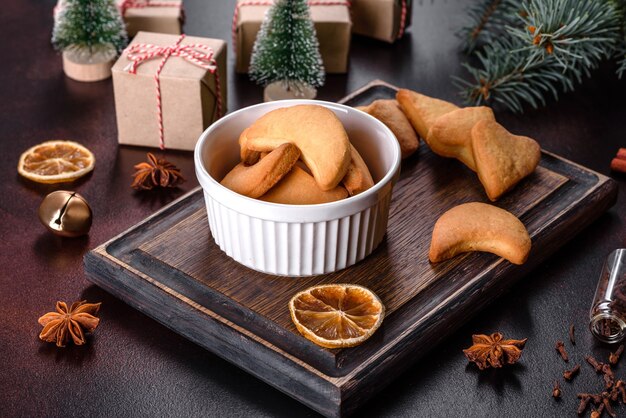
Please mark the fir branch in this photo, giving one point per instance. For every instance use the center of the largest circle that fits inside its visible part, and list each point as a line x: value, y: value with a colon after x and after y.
x: 552, y: 46
x: 489, y: 20
x: 621, y: 59
x: 575, y: 33
x: 620, y: 55
x: 506, y: 78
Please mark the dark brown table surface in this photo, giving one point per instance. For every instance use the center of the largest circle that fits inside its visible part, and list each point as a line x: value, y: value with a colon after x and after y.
x: 133, y: 366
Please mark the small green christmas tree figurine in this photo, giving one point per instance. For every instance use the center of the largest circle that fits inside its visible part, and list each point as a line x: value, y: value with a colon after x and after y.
x: 91, y: 34
x: 286, y: 49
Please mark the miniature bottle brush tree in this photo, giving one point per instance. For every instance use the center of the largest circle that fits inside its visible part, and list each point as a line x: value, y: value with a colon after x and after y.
x: 285, y: 57
x: 91, y: 34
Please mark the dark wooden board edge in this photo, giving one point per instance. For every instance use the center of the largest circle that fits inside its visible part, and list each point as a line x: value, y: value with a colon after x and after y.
x: 320, y: 359
x: 459, y: 309
x: 331, y: 396
x: 341, y: 364
x: 214, y: 333
x: 367, y: 87
x: 335, y: 363
x: 158, y: 222
x: 581, y: 183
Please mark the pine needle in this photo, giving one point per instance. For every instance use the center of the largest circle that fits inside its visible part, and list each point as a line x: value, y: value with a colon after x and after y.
x: 488, y: 21
x: 551, y: 46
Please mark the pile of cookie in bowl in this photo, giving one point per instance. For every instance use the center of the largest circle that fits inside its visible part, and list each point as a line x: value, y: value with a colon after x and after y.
x: 300, y: 188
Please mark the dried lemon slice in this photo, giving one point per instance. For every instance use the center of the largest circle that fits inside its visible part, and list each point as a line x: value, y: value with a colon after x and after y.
x: 337, y: 315
x: 56, y: 162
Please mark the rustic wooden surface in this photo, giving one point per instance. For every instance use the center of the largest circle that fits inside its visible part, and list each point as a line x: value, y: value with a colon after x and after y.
x: 171, y: 259
x: 397, y: 271
x: 133, y: 366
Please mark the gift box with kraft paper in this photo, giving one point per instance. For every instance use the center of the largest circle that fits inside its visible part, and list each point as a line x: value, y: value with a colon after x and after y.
x: 332, y: 24
x: 192, y: 97
x: 385, y: 20
x: 166, y: 16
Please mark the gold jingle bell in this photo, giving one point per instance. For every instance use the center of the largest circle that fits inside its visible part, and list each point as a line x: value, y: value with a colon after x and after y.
x: 65, y: 213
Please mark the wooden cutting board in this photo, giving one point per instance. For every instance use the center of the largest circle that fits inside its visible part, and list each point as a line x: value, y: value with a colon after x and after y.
x: 169, y: 267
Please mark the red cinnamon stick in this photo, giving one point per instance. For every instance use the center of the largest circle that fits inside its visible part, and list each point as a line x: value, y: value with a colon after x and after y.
x: 618, y: 164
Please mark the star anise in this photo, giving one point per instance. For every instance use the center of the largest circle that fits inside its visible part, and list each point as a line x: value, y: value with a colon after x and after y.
x: 493, y: 351
x: 156, y: 173
x: 59, y: 326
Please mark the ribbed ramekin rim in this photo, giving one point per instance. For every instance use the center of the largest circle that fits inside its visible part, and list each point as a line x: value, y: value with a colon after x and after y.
x: 213, y: 187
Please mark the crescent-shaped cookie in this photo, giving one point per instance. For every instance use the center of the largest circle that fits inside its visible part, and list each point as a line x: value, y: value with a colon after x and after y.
x: 300, y: 188
x: 248, y: 157
x: 422, y: 111
x: 255, y: 180
x: 315, y: 130
x: 451, y: 134
x: 502, y: 159
x: 389, y: 112
x: 358, y: 178
x: 479, y: 227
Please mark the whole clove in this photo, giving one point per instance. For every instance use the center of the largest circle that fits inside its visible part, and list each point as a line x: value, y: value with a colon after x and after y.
x: 597, y: 413
x: 571, y: 335
x: 595, y: 398
x: 614, y: 357
x: 569, y: 374
x: 607, y: 404
x: 584, y: 402
x: 609, y: 377
x: 560, y: 347
x: 620, y: 387
x: 594, y: 363
x: 556, y: 392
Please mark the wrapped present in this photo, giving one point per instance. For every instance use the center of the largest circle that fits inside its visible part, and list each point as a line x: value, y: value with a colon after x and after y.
x: 166, y: 16
x: 169, y: 89
x: 332, y: 24
x: 381, y: 19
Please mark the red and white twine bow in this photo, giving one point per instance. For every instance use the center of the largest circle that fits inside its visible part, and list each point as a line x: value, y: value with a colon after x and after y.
x: 403, y: 13
x: 196, y: 54
x: 134, y: 4
x: 140, y: 4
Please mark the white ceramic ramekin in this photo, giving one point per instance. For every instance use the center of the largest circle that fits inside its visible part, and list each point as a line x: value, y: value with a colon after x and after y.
x: 297, y: 240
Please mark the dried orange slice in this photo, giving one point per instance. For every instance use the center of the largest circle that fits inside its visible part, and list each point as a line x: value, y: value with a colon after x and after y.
x: 56, y: 162
x: 337, y: 315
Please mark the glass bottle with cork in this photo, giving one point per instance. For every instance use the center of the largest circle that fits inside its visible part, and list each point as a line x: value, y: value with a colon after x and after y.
x: 607, y: 318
